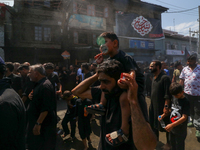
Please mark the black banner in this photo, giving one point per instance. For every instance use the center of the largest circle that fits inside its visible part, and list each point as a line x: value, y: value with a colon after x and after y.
x: 135, y: 26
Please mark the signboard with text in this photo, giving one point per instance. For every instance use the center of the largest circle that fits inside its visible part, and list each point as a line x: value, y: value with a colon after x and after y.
x: 139, y: 44
x: 175, y: 52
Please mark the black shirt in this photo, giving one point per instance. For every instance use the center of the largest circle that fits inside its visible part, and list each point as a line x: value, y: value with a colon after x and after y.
x: 15, y: 82
x: 43, y: 100
x: 12, y: 116
x: 71, y: 110
x: 27, y: 85
x: 159, y: 93
x: 112, y: 120
x: 129, y: 64
x: 171, y: 71
x: 179, y: 107
x: 53, y: 78
x: 87, y: 75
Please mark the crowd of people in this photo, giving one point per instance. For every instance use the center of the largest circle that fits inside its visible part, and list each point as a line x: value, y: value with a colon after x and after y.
x: 115, y: 88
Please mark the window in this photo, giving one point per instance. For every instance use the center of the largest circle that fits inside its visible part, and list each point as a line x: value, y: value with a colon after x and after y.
x: 106, y: 12
x: 38, y: 33
x: 47, y: 34
x: 91, y: 10
x: 75, y: 38
x: 174, y: 46
x: 183, y: 47
x: 168, y: 46
x: 94, y: 39
x: 74, y: 7
x: 47, y: 3
x: 80, y: 38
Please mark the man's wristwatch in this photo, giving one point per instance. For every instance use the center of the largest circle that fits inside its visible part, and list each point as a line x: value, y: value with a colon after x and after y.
x: 37, y: 123
x: 166, y: 106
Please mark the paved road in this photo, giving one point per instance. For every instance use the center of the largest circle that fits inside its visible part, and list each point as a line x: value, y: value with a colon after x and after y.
x: 63, y: 144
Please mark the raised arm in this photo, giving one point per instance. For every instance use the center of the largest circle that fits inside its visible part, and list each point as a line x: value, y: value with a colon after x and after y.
x: 143, y: 135
x: 83, y: 89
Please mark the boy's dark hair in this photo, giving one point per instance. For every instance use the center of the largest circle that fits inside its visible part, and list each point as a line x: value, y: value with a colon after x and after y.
x: 158, y: 63
x: 2, y: 69
x: 112, y: 68
x: 110, y: 35
x: 177, y: 63
x: 67, y: 94
x: 49, y: 65
x: 10, y: 66
x: 23, y: 66
x: 85, y: 65
x: 192, y: 57
x: 175, y: 88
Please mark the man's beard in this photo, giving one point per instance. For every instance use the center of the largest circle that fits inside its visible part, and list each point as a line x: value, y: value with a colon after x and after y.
x: 153, y: 70
x: 114, y: 92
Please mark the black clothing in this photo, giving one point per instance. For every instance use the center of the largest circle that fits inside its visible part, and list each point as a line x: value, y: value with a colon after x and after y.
x: 148, y: 82
x: 15, y: 82
x: 72, y: 122
x: 159, y: 93
x: 12, y: 116
x: 194, y: 109
x: 177, y: 141
x: 129, y: 64
x: 171, y: 71
x: 84, y: 126
x: 70, y: 117
x: 112, y: 120
x: 27, y: 87
x: 43, y: 100
x: 179, y: 107
x: 53, y: 78
x: 178, y: 134
x: 71, y: 81
x: 87, y: 75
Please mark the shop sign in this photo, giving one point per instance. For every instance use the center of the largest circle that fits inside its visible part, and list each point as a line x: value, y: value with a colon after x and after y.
x: 175, y: 52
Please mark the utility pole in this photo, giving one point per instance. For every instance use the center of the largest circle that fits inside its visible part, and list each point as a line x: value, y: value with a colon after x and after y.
x: 190, y: 40
x: 199, y: 30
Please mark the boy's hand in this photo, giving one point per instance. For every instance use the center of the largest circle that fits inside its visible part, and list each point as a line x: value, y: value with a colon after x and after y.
x: 162, y: 116
x: 99, y: 58
x: 169, y: 127
x: 130, y: 82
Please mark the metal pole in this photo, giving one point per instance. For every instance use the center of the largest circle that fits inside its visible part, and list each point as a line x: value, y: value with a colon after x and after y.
x: 190, y: 39
x: 199, y: 29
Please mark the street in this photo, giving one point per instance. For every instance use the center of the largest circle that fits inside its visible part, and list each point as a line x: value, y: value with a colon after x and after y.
x: 191, y: 142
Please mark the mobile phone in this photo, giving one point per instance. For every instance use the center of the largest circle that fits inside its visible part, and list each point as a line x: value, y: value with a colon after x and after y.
x: 122, y: 76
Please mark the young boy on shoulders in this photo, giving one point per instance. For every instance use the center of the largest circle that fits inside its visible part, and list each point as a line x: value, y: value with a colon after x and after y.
x: 109, y: 45
x: 180, y: 109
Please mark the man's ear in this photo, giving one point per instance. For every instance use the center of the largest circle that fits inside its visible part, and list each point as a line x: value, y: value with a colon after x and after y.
x: 115, y: 43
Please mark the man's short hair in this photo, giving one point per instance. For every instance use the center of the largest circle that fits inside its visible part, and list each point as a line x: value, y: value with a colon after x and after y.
x: 66, y: 94
x: 112, y: 68
x: 177, y: 63
x: 85, y: 65
x: 49, y: 65
x: 171, y: 64
x: 175, y: 88
x: 10, y: 66
x: 110, y: 35
x: 192, y: 57
x: 23, y: 66
x: 39, y: 68
x: 157, y: 63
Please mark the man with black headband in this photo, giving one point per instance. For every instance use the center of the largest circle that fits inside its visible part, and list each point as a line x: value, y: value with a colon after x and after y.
x: 108, y: 73
x: 190, y: 78
x: 12, y: 115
